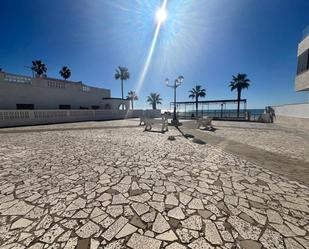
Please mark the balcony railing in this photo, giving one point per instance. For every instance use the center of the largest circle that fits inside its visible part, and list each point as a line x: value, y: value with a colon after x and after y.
x: 17, y: 79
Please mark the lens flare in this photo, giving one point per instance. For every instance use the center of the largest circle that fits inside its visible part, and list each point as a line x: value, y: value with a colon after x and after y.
x: 162, y: 14
x: 157, y: 48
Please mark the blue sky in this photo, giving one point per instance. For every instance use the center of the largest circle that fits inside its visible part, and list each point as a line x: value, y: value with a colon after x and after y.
x: 206, y: 41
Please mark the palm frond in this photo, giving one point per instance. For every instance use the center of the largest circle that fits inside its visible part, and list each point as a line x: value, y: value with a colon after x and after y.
x: 239, y: 82
x: 197, y: 92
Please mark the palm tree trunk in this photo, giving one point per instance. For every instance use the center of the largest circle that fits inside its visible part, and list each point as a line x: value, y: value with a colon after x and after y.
x: 196, y: 107
x: 238, y: 101
x: 132, y: 103
x: 154, y: 106
x: 122, y: 93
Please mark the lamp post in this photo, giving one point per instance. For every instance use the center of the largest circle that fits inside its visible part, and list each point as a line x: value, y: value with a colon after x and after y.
x: 176, y: 84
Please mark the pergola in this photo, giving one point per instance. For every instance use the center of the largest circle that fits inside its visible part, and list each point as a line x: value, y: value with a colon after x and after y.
x: 219, y: 109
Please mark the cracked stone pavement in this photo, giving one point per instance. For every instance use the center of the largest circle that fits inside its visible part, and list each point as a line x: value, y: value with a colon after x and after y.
x: 125, y: 188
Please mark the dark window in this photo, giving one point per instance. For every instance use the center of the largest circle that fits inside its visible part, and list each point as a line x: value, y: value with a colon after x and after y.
x: 107, y: 106
x: 303, y: 62
x: 83, y: 107
x: 25, y: 106
x: 95, y: 107
x: 64, y: 107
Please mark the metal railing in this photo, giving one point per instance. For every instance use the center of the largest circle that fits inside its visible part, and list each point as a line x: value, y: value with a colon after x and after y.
x: 14, y: 78
x: 222, y: 115
x: 226, y: 114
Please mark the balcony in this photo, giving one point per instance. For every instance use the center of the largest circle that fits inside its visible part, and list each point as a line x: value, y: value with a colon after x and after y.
x: 13, y: 78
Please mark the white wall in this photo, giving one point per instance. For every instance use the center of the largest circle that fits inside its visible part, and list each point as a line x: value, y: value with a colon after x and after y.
x: 10, y: 118
x: 302, y: 80
x: 293, y: 110
x: 303, y: 46
x: 293, y: 116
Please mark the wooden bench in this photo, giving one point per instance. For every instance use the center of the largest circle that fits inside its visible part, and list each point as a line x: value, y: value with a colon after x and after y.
x: 149, y: 122
x: 204, y: 122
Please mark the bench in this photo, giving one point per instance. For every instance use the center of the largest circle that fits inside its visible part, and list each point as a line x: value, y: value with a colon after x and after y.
x: 149, y: 122
x: 142, y: 120
x: 204, y: 122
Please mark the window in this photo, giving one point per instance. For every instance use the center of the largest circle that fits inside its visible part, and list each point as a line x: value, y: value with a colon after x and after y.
x: 17, y: 79
x: 55, y: 84
x: 303, y: 62
x: 83, y: 107
x: 64, y: 107
x: 85, y: 88
x: 122, y: 107
x: 107, y: 106
x: 95, y: 107
x: 24, y: 106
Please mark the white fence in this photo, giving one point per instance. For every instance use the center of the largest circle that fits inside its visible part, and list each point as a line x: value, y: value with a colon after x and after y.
x: 11, y: 118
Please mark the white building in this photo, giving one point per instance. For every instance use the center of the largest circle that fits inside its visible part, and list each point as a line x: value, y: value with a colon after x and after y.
x: 297, y: 115
x: 23, y: 92
x: 302, y: 77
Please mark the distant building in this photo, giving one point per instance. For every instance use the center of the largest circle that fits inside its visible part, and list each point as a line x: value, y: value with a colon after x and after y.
x: 23, y: 92
x: 302, y: 77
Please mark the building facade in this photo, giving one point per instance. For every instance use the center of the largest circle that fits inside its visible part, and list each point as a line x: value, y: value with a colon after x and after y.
x: 297, y: 115
x: 302, y: 75
x: 23, y: 92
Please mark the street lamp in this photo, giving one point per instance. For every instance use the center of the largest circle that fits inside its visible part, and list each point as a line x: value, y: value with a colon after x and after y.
x: 176, y: 84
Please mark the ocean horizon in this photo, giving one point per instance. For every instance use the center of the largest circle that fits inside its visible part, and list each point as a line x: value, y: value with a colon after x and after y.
x: 252, y: 111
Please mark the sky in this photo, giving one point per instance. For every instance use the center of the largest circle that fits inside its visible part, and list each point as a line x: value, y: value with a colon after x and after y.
x: 205, y: 41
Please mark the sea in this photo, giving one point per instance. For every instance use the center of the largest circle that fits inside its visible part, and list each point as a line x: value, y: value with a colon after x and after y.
x: 226, y: 113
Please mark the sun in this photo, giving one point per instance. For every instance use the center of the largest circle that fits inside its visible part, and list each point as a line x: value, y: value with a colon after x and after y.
x: 161, y: 15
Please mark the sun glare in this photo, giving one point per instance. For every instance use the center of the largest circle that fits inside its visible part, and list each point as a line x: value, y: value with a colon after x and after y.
x: 161, y: 15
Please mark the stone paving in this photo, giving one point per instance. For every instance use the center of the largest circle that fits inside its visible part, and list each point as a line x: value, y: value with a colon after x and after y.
x: 270, y: 137
x: 125, y: 188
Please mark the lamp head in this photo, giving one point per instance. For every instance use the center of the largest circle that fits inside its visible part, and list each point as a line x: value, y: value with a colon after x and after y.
x: 179, y: 80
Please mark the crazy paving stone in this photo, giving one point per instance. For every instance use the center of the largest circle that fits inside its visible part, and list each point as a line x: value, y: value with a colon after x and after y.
x: 160, y: 225
x: 211, y: 233
x: 167, y: 236
x: 138, y: 241
x: 21, y: 223
x: 111, y: 232
x: 126, y: 230
x: 194, y: 222
x: 87, y: 230
x: 245, y: 229
x: 176, y: 213
x: 19, y: 208
x: 51, y: 234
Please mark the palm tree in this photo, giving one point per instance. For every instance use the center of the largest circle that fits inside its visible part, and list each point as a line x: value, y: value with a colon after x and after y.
x: 122, y: 73
x: 65, y: 73
x: 132, y: 96
x: 239, y: 83
x: 39, y: 67
x: 197, y: 92
x: 154, y: 99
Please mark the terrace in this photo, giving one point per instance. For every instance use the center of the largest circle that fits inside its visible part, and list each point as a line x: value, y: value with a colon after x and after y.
x: 113, y: 164
x: 111, y: 185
